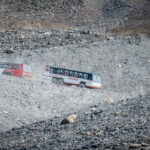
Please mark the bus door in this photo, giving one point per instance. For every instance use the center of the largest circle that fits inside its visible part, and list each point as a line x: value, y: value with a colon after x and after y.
x: 47, y: 71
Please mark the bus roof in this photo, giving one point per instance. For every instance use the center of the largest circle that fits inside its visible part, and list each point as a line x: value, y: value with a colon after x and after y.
x: 7, y: 63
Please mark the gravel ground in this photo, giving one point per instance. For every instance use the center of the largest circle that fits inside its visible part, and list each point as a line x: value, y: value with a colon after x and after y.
x: 24, y: 101
x: 123, y: 64
x: 73, y: 35
x: 120, y: 126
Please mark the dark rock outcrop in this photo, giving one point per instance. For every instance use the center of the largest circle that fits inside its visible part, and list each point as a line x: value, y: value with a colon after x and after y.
x: 129, y: 129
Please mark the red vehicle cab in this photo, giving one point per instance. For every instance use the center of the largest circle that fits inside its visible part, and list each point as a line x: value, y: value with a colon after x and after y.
x: 13, y: 69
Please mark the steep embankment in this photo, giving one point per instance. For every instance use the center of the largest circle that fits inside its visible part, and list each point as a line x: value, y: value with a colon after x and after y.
x: 27, y: 25
x: 122, y: 125
x: 123, y: 64
x: 72, y: 34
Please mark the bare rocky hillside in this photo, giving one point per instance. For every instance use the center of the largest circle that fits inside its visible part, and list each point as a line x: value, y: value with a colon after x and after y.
x: 27, y: 25
x: 106, y: 37
x: 123, y: 63
x: 64, y: 14
x: 123, y: 125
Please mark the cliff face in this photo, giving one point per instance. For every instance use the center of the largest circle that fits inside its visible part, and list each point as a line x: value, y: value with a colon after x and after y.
x: 116, y: 15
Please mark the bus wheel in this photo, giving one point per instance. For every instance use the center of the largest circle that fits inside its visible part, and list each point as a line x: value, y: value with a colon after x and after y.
x: 54, y: 80
x: 9, y: 73
x: 60, y: 81
x: 82, y: 85
x: 4, y: 73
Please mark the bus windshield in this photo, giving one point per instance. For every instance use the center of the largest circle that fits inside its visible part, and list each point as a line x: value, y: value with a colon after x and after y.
x: 96, y: 78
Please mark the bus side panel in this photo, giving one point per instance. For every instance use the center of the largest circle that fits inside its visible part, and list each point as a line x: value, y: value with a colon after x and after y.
x: 76, y: 81
x: 7, y: 71
x: 18, y: 71
x: 71, y: 80
x: 66, y: 79
x: 87, y: 83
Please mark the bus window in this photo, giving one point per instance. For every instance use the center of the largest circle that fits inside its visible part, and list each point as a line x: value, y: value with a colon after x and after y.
x: 20, y: 67
x: 96, y: 78
x: 76, y: 74
x: 73, y: 73
x: 58, y: 71
x: 85, y: 76
x: 51, y: 70
x: 2, y: 66
x: 61, y: 72
x: 89, y: 77
x: 15, y: 67
x: 10, y: 66
x: 66, y: 72
x: 80, y: 75
x: 6, y: 66
x: 55, y: 70
x: 70, y: 73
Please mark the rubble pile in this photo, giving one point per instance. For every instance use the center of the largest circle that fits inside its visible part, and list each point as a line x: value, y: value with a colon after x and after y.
x: 82, y: 35
x: 31, y: 39
x: 48, y: 9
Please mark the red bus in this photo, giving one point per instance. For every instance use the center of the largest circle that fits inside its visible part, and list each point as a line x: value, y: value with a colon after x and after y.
x: 13, y: 69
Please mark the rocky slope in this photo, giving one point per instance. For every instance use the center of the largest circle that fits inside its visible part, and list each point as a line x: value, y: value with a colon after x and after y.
x: 51, y: 14
x: 122, y: 125
x: 110, y: 38
x: 123, y: 64
x: 27, y: 25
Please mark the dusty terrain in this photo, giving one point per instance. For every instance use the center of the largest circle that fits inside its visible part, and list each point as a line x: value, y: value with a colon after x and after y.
x: 121, y: 125
x: 110, y: 38
x: 124, y: 68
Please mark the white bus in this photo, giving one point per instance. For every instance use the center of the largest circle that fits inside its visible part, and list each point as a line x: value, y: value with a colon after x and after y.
x: 81, y: 79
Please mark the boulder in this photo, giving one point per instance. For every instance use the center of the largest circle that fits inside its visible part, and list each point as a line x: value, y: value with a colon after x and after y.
x: 68, y: 120
x: 109, y: 101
